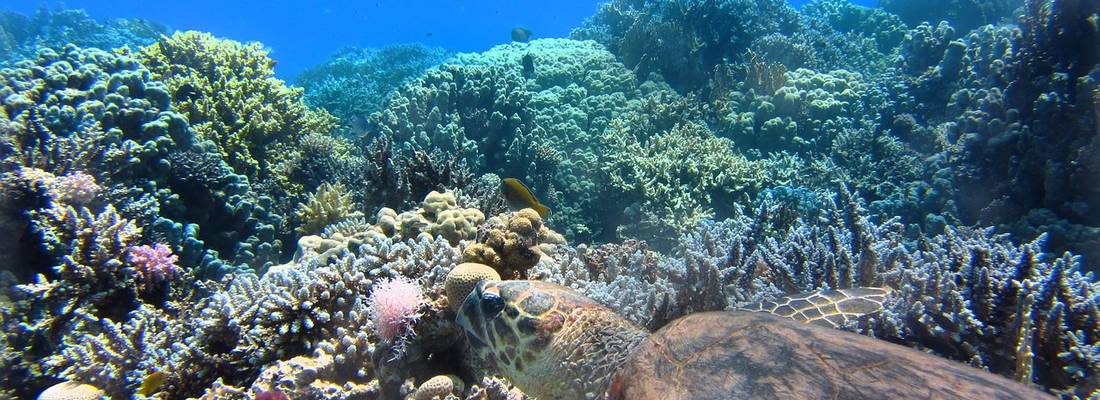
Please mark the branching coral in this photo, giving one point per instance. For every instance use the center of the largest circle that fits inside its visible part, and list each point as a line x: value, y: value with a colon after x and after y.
x: 676, y: 178
x: 230, y: 95
x: 330, y: 204
x: 964, y: 294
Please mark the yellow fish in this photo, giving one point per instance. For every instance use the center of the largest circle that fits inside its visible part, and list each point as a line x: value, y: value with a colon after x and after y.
x: 152, y: 383
x: 519, y: 197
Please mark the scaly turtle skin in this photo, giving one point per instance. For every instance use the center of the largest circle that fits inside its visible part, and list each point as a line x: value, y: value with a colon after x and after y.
x: 554, y: 343
x: 550, y: 341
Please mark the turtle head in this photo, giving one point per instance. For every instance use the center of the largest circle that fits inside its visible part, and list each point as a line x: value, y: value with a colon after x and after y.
x: 549, y: 340
x: 507, y: 320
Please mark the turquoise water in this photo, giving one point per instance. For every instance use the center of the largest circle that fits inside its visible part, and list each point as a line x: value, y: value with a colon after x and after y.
x: 247, y: 201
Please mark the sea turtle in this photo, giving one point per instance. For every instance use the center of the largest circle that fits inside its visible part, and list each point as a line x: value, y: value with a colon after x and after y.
x: 554, y: 343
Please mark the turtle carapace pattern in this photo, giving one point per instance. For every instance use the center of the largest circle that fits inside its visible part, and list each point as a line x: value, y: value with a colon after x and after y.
x: 554, y: 343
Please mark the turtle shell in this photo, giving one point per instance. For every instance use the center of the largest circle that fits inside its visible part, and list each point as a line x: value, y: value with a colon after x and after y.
x: 753, y: 355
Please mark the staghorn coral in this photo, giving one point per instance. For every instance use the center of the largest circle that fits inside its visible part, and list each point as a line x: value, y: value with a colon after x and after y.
x: 153, y: 264
x: 963, y: 294
x: 316, y: 308
x: 89, y: 276
x: 625, y: 277
x: 120, y: 355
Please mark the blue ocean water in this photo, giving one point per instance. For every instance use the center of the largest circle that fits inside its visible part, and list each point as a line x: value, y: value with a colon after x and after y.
x: 349, y: 200
x: 304, y: 34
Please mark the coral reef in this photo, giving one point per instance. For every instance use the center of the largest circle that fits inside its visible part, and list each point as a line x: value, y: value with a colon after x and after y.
x: 698, y: 155
x: 353, y: 83
x: 229, y: 94
x: 966, y: 15
x: 1013, y: 108
x: 21, y: 36
x: 512, y: 243
x: 964, y: 294
x: 331, y: 204
x: 675, y: 179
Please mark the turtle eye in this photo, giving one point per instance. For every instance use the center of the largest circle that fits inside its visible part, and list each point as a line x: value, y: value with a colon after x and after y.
x: 491, y: 304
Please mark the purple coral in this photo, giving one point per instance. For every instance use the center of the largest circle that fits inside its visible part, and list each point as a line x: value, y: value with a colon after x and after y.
x: 154, y: 263
x: 271, y: 395
x: 393, y: 305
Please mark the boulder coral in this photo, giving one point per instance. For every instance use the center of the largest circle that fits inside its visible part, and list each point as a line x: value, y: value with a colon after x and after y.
x: 512, y: 243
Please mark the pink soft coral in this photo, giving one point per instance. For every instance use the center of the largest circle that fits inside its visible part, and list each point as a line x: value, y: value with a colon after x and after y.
x: 154, y: 263
x: 393, y: 306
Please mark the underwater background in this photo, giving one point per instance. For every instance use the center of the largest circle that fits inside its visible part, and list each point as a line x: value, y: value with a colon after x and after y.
x: 249, y: 200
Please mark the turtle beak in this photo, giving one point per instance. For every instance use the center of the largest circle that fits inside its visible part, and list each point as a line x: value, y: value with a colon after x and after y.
x: 470, y: 318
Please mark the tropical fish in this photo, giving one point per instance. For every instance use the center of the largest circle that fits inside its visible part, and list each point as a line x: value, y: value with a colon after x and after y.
x: 528, y: 64
x: 521, y: 34
x: 519, y: 197
x: 152, y: 383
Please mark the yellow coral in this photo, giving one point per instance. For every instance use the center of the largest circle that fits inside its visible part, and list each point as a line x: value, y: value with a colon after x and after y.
x: 462, y: 280
x: 230, y: 95
x: 511, y: 243
x: 483, y: 254
x: 330, y: 204
x: 456, y: 225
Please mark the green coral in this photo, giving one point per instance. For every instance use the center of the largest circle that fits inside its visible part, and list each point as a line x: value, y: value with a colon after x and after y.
x: 230, y: 95
x: 539, y: 124
x: 676, y: 179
